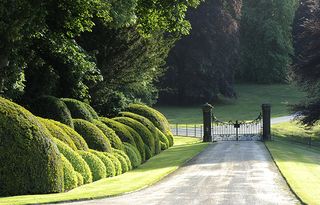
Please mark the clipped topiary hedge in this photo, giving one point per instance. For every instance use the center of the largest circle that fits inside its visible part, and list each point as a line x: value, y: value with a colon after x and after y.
x: 97, y: 167
x: 165, y: 144
x: 123, y: 159
x: 30, y: 161
x: 110, y: 168
x: 158, y: 119
x: 147, y: 151
x: 79, y: 178
x: 93, y: 113
x: 92, y: 135
x: 58, y: 133
x: 79, y: 142
x: 115, y: 141
x: 133, y: 154
x: 147, y: 123
x: 78, y: 109
x: 138, y: 141
x: 143, y: 131
x: 120, y: 130
x: 116, y: 163
x: 52, y: 108
x: 69, y: 175
x: 76, y: 160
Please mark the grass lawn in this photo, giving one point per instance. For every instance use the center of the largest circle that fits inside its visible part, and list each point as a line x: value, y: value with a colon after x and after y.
x: 149, y: 173
x: 300, y: 166
x: 246, y: 107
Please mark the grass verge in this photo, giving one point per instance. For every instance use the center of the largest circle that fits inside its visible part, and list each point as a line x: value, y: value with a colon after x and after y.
x: 300, y: 166
x: 149, y: 173
x: 246, y: 107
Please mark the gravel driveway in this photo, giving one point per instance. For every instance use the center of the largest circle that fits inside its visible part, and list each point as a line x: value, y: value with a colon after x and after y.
x: 225, y: 173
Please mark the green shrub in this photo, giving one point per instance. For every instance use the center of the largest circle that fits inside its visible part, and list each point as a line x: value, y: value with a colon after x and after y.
x: 97, y: 167
x: 58, y: 133
x: 52, y: 108
x: 30, y: 161
x: 163, y: 146
x: 115, y: 141
x: 110, y: 168
x: 138, y: 141
x: 147, y: 123
x: 76, y: 160
x: 79, y: 142
x: 115, y: 161
x: 79, y: 178
x: 158, y: 119
x: 142, y: 130
x: 133, y: 155
x: 92, y: 111
x: 163, y: 139
x: 92, y: 135
x: 147, y: 151
x: 125, y: 161
x: 69, y: 175
x: 120, y: 130
x: 78, y: 109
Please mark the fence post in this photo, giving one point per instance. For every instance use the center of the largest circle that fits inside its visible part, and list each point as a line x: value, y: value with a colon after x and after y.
x: 207, y: 118
x: 266, y: 120
x: 177, y: 133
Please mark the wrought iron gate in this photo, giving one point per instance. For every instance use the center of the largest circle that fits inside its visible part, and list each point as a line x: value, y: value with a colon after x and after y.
x: 238, y: 130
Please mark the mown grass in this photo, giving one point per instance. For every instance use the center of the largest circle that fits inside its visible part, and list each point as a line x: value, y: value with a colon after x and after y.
x: 300, y: 166
x: 246, y: 107
x: 149, y: 173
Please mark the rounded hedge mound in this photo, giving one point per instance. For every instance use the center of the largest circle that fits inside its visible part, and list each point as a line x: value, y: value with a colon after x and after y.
x: 79, y: 178
x: 120, y: 130
x: 78, y: 109
x: 165, y: 144
x: 110, y: 168
x: 69, y: 175
x: 142, y: 130
x: 147, y: 151
x: 139, y: 142
x: 158, y: 119
x: 115, y: 141
x: 92, y: 135
x: 30, y: 161
x: 124, y: 160
x: 79, y: 142
x: 76, y: 160
x: 97, y: 167
x: 115, y: 161
x: 93, y: 113
x: 147, y: 123
x: 58, y: 133
x: 133, y: 155
x: 52, y: 108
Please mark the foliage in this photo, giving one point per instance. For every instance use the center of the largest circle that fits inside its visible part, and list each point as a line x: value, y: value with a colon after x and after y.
x: 39, y: 168
x: 69, y: 175
x: 97, y: 167
x: 110, y: 134
x: 123, y: 161
x: 92, y: 111
x: 79, y: 142
x: 120, y: 130
x: 133, y: 154
x: 58, y: 133
x: 306, y: 64
x: 163, y: 140
x: 52, y: 108
x: 76, y: 160
x: 266, y: 42
x: 139, y: 142
x: 92, y: 135
x: 110, y: 168
x: 116, y: 163
x: 79, y: 179
x: 78, y: 109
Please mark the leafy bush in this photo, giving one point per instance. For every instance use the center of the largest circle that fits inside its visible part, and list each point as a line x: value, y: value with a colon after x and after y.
x: 147, y: 151
x: 143, y: 131
x: 123, y: 159
x: 110, y: 168
x: 30, y: 161
x: 79, y: 178
x: 163, y: 140
x: 133, y: 155
x: 97, y: 167
x: 115, y: 141
x: 92, y: 135
x: 93, y: 113
x: 76, y: 160
x: 120, y: 130
x: 52, y: 108
x: 116, y: 163
x: 69, y: 175
x: 138, y: 141
x: 78, y: 109
x: 163, y: 146
x: 158, y: 119
x: 79, y: 142
x: 58, y: 133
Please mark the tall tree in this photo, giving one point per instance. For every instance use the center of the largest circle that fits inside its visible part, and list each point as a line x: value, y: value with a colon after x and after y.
x: 201, y: 65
